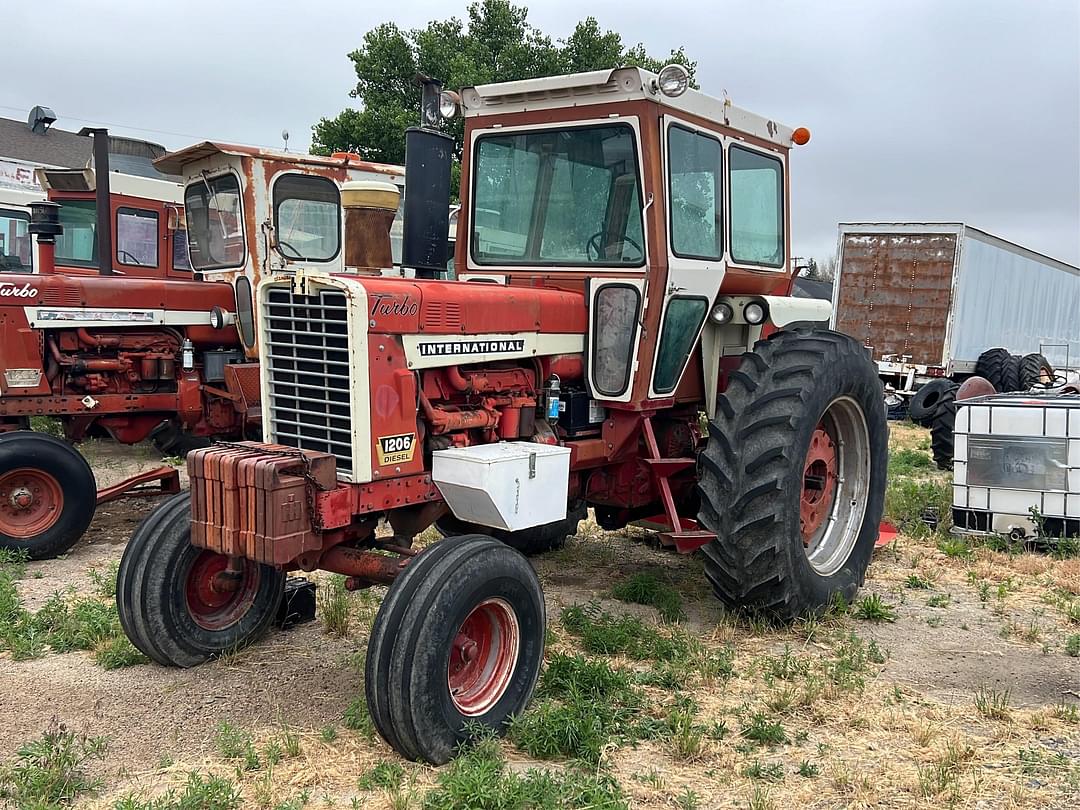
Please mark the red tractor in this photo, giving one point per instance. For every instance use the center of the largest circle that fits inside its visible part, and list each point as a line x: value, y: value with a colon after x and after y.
x: 122, y: 333
x: 620, y: 337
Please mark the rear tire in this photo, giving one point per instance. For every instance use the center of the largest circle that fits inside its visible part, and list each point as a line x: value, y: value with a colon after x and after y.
x: 941, y: 430
x: 990, y: 365
x: 530, y: 542
x: 165, y: 597
x: 1010, y: 374
x: 795, y: 530
x: 172, y: 440
x: 464, y: 596
x: 47, y: 494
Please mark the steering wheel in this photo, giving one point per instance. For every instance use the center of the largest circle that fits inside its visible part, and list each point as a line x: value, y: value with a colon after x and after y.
x: 127, y: 257
x: 281, y: 243
x: 594, y: 246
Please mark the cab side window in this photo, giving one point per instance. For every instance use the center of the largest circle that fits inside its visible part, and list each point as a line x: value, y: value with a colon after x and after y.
x: 695, y: 194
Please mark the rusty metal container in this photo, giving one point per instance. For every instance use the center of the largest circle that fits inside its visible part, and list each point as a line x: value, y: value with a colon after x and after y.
x: 370, y: 207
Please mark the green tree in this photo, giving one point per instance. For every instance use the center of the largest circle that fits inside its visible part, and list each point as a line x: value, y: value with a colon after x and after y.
x: 496, y: 44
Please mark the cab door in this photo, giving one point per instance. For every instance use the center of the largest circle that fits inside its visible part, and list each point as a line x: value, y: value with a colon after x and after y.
x: 693, y: 171
x: 611, y: 347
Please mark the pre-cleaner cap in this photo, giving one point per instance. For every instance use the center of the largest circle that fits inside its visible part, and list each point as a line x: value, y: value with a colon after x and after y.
x: 370, y: 194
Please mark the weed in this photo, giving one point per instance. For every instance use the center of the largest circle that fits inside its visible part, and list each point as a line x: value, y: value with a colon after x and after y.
x: 357, y: 718
x: 328, y: 734
x: 853, y: 657
x: 687, y: 800
x: 105, y: 581
x: 935, y: 621
x: 290, y: 740
x: 273, y: 753
x: 386, y: 775
x: 808, y: 770
x: 764, y: 731
x: 1067, y: 712
x: 652, y: 778
x: 334, y: 606
x: 916, y: 582
x: 647, y: 588
x: 48, y: 772
x: 956, y: 547
x: 13, y: 562
x: 199, y: 793
x: 992, y: 704
x: 772, y: 772
x: 760, y: 800
x: 685, y: 735
x: 984, y: 591
x: 908, y: 501
x: 906, y: 462
x: 787, y: 667
x: 873, y: 608
x: 117, y: 652
x: 939, y: 600
x: 47, y: 424
x: 718, y: 730
x: 1072, y: 611
x: 1072, y: 645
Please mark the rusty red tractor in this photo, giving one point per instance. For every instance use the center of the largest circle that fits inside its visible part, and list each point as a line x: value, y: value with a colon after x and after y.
x: 123, y: 332
x: 620, y: 337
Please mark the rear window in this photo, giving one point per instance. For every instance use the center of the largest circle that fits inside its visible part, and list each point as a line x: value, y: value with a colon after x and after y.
x: 16, y: 247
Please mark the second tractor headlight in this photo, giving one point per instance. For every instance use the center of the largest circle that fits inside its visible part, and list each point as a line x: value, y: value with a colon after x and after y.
x: 754, y: 312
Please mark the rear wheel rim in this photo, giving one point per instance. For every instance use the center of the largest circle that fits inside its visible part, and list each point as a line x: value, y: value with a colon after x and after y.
x: 212, y: 606
x: 483, y: 657
x: 836, y: 485
x: 31, y: 501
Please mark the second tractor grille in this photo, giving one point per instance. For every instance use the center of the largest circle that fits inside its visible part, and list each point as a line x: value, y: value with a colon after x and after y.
x: 307, y: 350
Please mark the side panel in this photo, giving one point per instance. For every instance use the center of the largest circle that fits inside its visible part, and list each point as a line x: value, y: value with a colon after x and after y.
x: 894, y: 291
x: 1013, y: 298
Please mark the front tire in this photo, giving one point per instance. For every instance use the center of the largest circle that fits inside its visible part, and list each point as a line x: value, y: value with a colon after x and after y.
x: 458, y: 639
x: 169, y: 600
x: 792, y: 480
x: 47, y: 494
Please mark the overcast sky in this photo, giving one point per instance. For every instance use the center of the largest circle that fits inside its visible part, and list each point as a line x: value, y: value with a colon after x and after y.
x: 962, y: 110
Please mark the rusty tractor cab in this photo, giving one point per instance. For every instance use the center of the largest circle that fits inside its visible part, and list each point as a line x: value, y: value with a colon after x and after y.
x: 620, y: 337
x: 154, y: 342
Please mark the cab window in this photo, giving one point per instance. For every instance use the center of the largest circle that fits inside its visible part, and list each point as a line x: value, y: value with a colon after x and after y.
x: 215, y: 223
x: 136, y: 237
x: 694, y: 191
x: 77, y: 245
x: 756, y: 184
x: 16, y: 247
x: 682, y: 323
x: 566, y: 197
x: 180, y: 258
x: 307, y: 217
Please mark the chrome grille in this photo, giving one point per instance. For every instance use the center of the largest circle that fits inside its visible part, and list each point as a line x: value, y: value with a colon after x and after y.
x: 307, y: 349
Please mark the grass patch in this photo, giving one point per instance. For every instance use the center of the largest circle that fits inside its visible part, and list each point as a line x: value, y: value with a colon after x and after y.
x: 49, y: 772
x: 386, y: 775
x: 956, y: 547
x: 1072, y: 645
x: 334, y: 606
x: 47, y: 424
x: 479, y: 778
x: 992, y: 704
x: 201, y: 792
x: 873, y: 608
x: 764, y: 731
x: 647, y: 588
x: 918, y: 583
x: 105, y: 581
x: 914, y: 505
x: 907, y: 462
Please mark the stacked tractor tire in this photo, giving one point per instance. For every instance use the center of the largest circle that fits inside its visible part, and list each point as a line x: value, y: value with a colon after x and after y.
x: 996, y: 370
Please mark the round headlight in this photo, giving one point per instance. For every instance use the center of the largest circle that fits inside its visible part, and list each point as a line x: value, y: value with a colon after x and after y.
x: 722, y: 313
x: 754, y: 312
x: 449, y: 104
x: 673, y: 80
x: 217, y: 318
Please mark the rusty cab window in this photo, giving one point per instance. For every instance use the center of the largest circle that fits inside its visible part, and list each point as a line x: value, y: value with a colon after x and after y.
x: 77, y: 245
x: 307, y: 217
x: 694, y: 191
x: 215, y: 223
x: 757, y: 207
x: 16, y: 248
x: 136, y: 237
x: 554, y: 197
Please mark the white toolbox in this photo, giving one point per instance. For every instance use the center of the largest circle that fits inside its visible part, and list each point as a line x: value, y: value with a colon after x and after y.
x: 506, y: 485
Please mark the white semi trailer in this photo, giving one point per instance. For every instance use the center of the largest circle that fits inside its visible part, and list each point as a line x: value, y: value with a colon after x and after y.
x: 929, y: 298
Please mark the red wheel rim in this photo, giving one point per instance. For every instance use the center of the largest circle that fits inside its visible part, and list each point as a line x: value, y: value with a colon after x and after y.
x: 819, y: 483
x: 214, y: 600
x: 483, y: 657
x: 31, y: 501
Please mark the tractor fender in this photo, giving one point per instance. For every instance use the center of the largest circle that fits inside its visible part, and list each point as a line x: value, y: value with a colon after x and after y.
x: 784, y: 310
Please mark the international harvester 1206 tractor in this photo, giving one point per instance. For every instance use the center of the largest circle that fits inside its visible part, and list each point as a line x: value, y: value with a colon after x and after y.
x: 620, y: 337
x: 124, y: 332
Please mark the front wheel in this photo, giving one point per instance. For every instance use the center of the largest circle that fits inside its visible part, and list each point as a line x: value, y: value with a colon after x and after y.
x: 179, y: 604
x: 47, y: 494
x: 792, y: 480
x: 458, y: 639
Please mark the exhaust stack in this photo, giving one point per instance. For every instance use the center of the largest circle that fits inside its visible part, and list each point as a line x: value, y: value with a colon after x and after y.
x: 370, y: 207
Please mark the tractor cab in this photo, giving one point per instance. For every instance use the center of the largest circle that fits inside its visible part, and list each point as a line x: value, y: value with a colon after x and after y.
x: 252, y: 212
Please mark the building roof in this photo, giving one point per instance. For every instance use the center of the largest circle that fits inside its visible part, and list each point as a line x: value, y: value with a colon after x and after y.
x: 54, y: 147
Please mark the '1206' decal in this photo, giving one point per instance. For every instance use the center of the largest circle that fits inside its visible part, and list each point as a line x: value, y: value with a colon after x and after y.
x: 396, y: 449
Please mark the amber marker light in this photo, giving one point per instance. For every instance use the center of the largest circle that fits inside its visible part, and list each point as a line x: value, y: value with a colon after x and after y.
x: 801, y: 136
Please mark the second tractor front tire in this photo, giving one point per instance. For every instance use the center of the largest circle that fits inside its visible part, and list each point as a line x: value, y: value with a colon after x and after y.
x: 174, y: 604
x: 792, y: 480
x: 458, y: 639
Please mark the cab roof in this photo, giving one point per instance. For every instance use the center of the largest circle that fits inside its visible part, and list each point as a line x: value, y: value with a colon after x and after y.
x: 611, y: 86
x: 174, y: 162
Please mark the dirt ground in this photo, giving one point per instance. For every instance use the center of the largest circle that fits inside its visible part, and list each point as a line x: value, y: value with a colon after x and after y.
x: 988, y: 621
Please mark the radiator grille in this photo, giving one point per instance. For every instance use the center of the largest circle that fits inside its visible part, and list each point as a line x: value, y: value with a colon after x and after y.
x: 307, y: 350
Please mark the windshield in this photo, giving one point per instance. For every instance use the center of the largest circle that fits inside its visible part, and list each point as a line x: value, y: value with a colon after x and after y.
x: 77, y: 245
x: 15, y: 248
x: 215, y: 224
x: 307, y: 217
x: 558, y: 197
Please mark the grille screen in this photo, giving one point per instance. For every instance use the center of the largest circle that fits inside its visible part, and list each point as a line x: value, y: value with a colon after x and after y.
x: 308, y: 354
